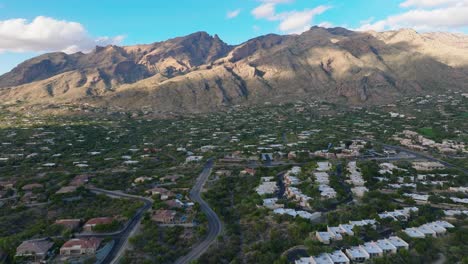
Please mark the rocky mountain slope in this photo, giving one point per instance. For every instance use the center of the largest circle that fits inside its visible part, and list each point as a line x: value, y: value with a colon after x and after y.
x: 199, y: 72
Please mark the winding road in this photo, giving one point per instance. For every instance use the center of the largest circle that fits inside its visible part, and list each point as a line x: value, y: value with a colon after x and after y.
x: 121, y: 237
x: 215, y: 226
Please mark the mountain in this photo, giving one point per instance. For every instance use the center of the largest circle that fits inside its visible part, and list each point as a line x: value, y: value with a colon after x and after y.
x: 199, y: 72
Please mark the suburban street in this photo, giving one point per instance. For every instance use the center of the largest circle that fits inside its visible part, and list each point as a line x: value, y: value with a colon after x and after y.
x: 121, y: 237
x: 214, y: 224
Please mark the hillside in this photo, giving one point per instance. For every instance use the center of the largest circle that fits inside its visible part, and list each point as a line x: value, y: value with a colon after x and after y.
x: 199, y: 72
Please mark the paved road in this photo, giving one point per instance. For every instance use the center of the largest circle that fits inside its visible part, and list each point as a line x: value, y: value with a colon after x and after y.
x: 417, y: 154
x: 121, y: 237
x: 214, y: 224
x: 425, y: 156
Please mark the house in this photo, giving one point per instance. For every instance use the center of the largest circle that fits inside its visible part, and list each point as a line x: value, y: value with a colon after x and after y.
x: 323, y: 258
x: 439, y: 230
x: 37, y: 250
x: 347, y: 229
x: 66, y: 189
x: 427, y: 231
x: 80, y: 246
x: 70, y: 224
x: 336, y: 232
x: 414, y: 233
x: 357, y: 254
x: 398, y: 242
x: 266, y: 187
x: 324, y: 237
x: 359, y: 191
x: 164, y: 216
x: 7, y: 184
x: 305, y: 260
x: 31, y: 186
x: 249, y: 171
x: 365, y: 222
x: 174, y: 203
x: 324, y: 166
x: 427, y: 166
x: 80, y: 180
x: 193, y: 159
x: 271, y: 203
x: 88, y: 226
x: 372, y: 249
x: 338, y: 257
x: 142, y: 179
x: 445, y: 224
x: 162, y: 192
x: 386, y: 246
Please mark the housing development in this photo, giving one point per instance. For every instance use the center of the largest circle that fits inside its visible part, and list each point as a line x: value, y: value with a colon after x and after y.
x: 309, y: 182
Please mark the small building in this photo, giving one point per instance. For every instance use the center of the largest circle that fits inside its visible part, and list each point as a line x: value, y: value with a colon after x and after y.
x: 427, y: 231
x: 372, y: 249
x: 66, y: 189
x: 35, y: 250
x: 357, y: 254
x: 162, y: 192
x: 336, y: 232
x: 164, y: 216
x: 347, y: 229
x: 323, y: 258
x: 428, y: 166
x: 80, y: 246
x: 338, y: 257
x: 91, y: 223
x: 440, y: 230
x: 414, y: 233
x: 445, y: 224
x: 386, y: 246
x: 398, y: 242
x: 324, y: 237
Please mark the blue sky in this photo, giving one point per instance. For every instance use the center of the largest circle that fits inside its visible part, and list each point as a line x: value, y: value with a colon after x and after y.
x: 31, y: 27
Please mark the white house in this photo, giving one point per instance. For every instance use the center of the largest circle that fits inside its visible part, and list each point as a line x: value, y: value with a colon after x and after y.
x: 357, y: 254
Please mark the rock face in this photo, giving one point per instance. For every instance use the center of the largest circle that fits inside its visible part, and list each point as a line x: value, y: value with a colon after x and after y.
x: 199, y: 72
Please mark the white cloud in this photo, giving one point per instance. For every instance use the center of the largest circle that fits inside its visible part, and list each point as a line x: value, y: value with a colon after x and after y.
x: 299, y: 21
x: 48, y: 34
x: 429, y: 3
x: 233, y: 13
x: 290, y: 22
x: 265, y: 11
x: 438, y: 15
x: 325, y: 24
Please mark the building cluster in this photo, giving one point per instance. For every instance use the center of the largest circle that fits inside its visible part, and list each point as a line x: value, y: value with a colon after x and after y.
x: 323, y: 179
x: 337, y: 232
x: 416, y: 141
x: 38, y: 250
x: 427, y: 165
x: 355, y: 178
x: 361, y: 253
x: 402, y: 214
x: 290, y: 180
x: 267, y: 186
x: 433, y: 229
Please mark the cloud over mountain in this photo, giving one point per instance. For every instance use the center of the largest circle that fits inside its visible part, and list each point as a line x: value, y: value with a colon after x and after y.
x: 48, y: 34
x: 426, y: 15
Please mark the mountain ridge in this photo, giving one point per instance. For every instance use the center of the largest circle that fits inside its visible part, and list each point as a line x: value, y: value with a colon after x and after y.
x: 200, y: 72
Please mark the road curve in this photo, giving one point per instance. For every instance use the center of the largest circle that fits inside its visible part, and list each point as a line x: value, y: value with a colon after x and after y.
x: 121, y: 237
x: 214, y: 224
